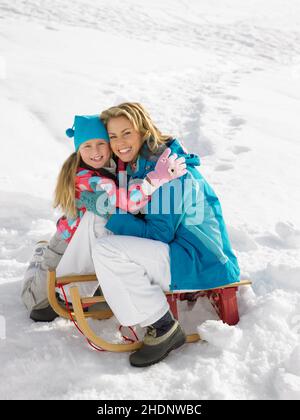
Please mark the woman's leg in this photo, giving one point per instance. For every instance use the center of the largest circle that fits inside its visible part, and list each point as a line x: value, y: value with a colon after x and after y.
x: 133, y: 272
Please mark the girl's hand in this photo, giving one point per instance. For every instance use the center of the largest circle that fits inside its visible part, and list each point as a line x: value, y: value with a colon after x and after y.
x: 96, y: 202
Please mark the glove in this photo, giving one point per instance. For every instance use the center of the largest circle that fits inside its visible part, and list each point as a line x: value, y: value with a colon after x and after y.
x: 54, y: 251
x: 97, y: 202
x: 167, y: 168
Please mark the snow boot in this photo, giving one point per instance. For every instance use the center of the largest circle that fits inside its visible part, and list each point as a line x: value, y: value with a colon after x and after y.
x: 162, y: 337
x: 43, y: 315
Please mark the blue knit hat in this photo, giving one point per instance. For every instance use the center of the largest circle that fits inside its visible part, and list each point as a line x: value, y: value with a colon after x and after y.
x: 87, y: 127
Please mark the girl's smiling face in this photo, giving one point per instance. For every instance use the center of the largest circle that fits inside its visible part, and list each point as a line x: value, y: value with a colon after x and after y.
x: 125, y: 140
x: 95, y: 153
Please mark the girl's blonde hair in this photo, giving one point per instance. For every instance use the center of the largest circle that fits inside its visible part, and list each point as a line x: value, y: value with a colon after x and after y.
x: 64, y: 196
x: 140, y: 120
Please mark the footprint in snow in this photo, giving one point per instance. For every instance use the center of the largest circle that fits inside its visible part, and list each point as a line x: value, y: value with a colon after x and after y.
x: 240, y: 149
x: 286, y: 237
x: 237, y: 122
x: 224, y: 167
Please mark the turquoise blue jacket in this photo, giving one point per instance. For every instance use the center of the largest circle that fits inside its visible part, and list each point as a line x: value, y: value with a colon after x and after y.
x: 187, y: 215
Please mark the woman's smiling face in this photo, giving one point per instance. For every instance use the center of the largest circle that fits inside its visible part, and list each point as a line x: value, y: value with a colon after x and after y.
x: 125, y: 140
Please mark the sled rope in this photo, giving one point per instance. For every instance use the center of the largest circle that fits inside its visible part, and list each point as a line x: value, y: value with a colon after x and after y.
x: 127, y: 338
x: 89, y: 341
x: 73, y: 320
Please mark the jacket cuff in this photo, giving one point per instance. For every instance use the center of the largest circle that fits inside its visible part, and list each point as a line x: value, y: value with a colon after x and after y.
x: 120, y: 224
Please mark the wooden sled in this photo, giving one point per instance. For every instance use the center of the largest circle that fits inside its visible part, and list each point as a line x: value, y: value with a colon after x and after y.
x: 223, y: 299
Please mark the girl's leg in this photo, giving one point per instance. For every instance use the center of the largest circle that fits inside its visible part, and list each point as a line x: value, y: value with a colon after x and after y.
x: 34, y: 289
x: 77, y: 257
x: 133, y: 272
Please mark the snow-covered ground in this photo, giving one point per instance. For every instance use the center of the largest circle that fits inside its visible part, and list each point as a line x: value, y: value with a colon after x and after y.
x: 224, y: 76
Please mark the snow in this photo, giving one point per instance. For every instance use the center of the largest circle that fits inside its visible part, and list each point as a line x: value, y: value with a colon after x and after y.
x: 224, y: 76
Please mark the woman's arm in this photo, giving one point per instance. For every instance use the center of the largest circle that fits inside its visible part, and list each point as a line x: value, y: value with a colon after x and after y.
x: 168, y: 168
x: 164, y: 213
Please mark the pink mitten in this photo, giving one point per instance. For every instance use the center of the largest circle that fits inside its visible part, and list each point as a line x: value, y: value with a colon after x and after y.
x: 167, y: 168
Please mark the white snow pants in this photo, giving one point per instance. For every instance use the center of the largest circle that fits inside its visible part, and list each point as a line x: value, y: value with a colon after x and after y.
x: 77, y: 258
x: 133, y: 272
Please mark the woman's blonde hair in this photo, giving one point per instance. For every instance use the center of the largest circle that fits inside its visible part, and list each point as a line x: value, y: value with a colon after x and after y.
x: 140, y: 120
x: 64, y: 196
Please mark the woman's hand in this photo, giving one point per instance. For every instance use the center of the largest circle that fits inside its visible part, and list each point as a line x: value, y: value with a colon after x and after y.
x: 167, y: 168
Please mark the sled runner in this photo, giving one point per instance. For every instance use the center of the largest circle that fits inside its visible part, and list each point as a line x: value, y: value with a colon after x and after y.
x: 223, y: 299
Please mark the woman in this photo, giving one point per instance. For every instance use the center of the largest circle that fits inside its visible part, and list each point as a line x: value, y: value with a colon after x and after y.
x: 181, y: 243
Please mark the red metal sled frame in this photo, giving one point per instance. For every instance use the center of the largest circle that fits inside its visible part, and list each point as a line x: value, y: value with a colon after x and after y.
x: 223, y: 300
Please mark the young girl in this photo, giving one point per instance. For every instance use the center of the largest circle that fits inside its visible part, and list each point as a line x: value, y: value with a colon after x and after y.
x: 183, y: 246
x: 90, y: 168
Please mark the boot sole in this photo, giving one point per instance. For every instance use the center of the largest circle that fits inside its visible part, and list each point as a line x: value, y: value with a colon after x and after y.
x: 176, y: 346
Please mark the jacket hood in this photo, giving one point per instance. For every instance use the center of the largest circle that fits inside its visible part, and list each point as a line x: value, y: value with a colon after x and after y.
x: 190, y: 158
x: 176, y: 147
x: 147, y: 159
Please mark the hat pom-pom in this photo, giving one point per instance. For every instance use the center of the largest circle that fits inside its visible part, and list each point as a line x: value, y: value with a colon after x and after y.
x: 70, y: 132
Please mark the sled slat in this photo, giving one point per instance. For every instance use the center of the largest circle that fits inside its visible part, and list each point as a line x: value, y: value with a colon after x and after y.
x: 226, y: 286
x: 104, y: 314
x: 75, y: 279
x: 92, y: 299
x: 92, y: 277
